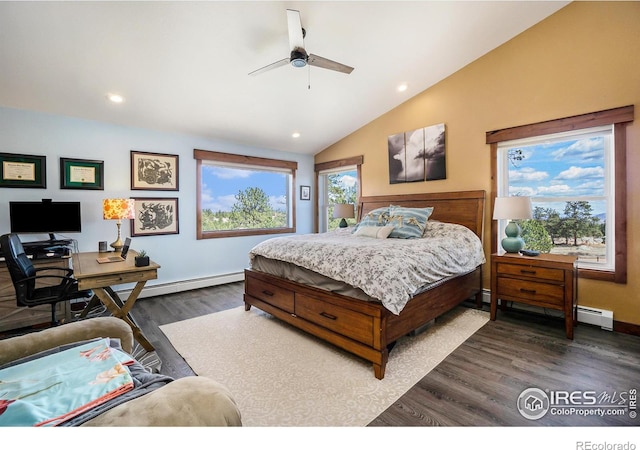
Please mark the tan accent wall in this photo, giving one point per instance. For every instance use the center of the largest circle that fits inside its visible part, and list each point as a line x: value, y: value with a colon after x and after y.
x: 582, y: 59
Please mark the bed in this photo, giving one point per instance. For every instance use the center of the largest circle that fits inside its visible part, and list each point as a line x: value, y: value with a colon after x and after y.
x: 352, y: 317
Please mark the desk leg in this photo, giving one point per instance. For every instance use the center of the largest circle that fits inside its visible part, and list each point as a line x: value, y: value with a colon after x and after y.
x: 121, y: 310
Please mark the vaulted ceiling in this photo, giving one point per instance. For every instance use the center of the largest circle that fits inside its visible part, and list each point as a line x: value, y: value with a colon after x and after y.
x: 184, y: 66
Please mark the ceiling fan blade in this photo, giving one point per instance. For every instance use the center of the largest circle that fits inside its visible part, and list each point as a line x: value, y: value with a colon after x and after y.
x: 282, y: 62
x: 324, y: 63
x: 296, y: 38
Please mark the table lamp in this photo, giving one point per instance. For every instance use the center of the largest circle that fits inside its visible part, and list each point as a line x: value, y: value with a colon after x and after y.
x: 118, y: 209
x: 512, y: 208
x: 343, y: 211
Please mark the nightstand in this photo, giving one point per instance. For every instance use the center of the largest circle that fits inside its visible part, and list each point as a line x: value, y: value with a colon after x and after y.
x: 546, y: 280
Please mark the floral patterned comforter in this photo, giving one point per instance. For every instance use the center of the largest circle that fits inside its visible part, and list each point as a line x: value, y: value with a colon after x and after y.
x: 390, y: 270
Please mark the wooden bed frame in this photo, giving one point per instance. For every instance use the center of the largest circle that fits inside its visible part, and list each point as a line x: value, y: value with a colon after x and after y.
x: 365, y: 328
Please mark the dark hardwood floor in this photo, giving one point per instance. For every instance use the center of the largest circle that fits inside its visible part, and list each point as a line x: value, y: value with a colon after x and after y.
x: 480, y: 382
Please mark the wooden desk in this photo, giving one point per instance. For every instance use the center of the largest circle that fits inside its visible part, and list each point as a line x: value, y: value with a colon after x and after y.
x: 100, y: 277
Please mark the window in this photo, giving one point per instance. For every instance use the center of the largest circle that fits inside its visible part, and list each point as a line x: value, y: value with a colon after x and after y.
x: 570, y: 181
x: 574, y: 170
x: 243, y: 195
x: 338, y: 182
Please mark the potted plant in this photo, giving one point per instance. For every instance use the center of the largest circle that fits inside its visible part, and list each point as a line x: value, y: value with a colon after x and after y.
x: 142, y: 259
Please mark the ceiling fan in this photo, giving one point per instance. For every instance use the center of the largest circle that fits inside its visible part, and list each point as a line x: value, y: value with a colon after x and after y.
x: 299, y: 56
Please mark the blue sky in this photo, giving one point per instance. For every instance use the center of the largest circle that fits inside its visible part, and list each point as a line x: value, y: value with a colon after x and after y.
x: 221, y: 184
x: 559, y: 170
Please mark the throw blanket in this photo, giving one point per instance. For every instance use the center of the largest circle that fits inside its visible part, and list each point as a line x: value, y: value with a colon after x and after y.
x: 53, y: 389
x: 390, y: 270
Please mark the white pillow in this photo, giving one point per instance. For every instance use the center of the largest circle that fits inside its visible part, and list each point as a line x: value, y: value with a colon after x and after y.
x: 374, y: 232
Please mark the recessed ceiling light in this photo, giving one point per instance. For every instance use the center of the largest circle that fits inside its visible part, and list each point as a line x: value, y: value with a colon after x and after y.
x: 295, y: 135
x: 115, y: 98
x: 402, y: 87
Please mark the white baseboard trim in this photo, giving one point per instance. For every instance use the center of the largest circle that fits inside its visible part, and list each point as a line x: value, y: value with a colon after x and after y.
x: 184, y: 285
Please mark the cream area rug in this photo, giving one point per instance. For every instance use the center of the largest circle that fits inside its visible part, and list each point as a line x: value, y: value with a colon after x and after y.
x: 280, y: 376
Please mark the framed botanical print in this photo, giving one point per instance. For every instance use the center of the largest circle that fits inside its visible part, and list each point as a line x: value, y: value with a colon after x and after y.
x: 23, y: 171
x: 155, y: 216
x: 154, y: 171
x: 81, y: 174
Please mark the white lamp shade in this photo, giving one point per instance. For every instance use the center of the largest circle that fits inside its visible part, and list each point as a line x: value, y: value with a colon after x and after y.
x: 343, y: 211
x: 512, y: 208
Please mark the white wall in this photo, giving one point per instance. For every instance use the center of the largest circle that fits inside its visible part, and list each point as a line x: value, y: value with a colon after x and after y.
x: 181, y: 256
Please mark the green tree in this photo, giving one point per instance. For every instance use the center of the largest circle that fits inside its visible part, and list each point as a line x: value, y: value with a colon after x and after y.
x: 339, y: 192
x: 535, y: 235
x: 578, y: 221
x: 551, y: 221
x: 252, y: 210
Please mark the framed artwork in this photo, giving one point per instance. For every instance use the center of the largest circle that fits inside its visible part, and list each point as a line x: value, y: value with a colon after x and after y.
x: 305, y: 192
x: 155, y: 216
x: 417, y: 155
x: 23, y: 171
x: 154, y: 171
x: 81, y: 174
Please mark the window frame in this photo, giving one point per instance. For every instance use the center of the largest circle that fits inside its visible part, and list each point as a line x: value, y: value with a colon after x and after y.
x: 336, y: 166
x: 250, y: 162
x: 618, y: 118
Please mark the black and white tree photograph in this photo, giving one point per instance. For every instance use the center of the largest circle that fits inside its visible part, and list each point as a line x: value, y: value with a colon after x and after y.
x: 417, y: 155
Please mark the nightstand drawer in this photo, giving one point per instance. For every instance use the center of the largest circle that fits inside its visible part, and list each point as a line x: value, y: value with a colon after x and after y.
x: 541, y: 273
x: 540, y: 294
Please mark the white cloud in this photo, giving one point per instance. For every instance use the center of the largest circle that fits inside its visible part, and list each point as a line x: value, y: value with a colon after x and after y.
x: 278, y: 202
x: 585, y: 149
x: 220, y: 203
x: 555, y: 190
x: 348, y: 181
x: 228, y: 173
x: 574, y: 173
x: 527, y: 174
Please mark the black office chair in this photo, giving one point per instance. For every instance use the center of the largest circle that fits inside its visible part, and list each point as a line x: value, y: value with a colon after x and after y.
x: 24, y: 277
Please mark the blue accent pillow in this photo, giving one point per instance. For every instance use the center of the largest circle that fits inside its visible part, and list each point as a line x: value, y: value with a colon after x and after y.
x: 409, y: 223
x: 374, y: 218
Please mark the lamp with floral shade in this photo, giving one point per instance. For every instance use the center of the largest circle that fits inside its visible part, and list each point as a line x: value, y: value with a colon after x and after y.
x: 118, y: 209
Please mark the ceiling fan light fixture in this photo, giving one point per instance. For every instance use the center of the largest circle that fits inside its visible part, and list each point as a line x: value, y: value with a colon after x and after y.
x: 298, y: 57
x: 298, y: 62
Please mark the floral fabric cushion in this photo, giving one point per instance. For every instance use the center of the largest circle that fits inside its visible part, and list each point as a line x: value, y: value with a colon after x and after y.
x: 408, y: 223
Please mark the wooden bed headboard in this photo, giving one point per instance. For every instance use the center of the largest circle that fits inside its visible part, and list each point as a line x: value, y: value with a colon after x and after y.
x: 462, y: 207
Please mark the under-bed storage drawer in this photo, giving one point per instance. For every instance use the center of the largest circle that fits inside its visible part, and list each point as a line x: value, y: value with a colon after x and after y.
x: 270, y: 293
x: 344, y: 321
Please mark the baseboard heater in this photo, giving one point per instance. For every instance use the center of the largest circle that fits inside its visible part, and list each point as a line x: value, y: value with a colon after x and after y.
x: 185, y: 285
x: 593, y: 316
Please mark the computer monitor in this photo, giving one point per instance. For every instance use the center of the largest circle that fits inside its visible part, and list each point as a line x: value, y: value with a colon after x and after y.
x: 45, y: 217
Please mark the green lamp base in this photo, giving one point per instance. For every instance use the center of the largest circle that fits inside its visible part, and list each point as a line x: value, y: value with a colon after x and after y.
x: 513, y: 243
x: 343, y: 223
